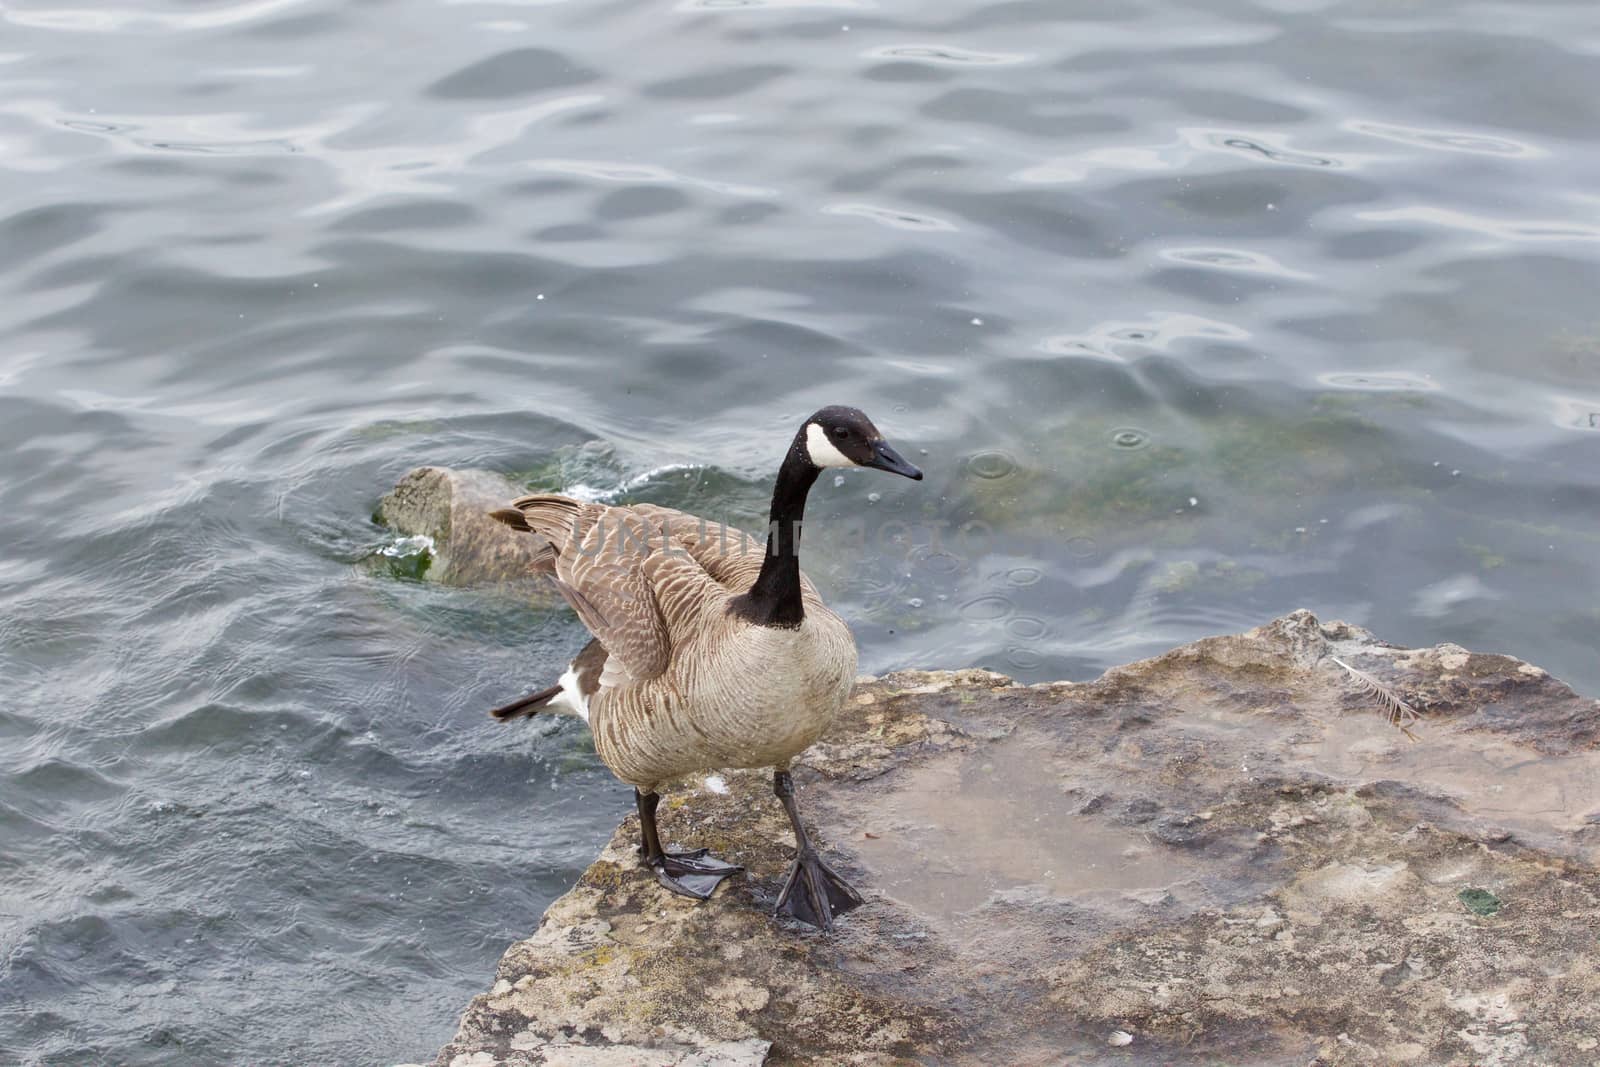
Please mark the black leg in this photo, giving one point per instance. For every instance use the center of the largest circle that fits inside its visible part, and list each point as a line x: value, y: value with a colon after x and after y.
x: 691, y: 874
x: 812, y: 893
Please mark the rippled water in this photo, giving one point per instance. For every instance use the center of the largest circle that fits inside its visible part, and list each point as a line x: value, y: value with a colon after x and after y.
x: 1200, y: 310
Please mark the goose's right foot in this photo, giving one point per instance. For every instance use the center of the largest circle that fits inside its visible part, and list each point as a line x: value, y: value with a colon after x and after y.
x: 695, y: 873
x: 691, y: 874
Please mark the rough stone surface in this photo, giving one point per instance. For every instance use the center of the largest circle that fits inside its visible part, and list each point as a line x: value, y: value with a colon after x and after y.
x: 452, y: 507
x: 1221, y: 855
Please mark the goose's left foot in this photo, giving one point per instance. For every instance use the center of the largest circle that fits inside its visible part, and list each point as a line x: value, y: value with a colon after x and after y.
x: 695, y: 873
x: 813, y: 893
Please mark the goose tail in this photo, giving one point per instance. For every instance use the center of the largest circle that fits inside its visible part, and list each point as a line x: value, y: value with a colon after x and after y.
x: 513, y: 518
x: 569, y: 696
x: 528, y: 706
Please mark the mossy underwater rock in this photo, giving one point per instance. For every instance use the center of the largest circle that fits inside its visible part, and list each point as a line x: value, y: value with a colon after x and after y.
x: 1221, y: 855
x: 451, y: 508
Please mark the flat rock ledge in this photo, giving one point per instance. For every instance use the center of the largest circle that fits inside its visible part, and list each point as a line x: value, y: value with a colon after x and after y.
x: 1225, y: 854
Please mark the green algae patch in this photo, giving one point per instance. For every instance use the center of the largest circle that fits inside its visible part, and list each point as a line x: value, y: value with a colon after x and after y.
x: 1095, y: 477
x: 409, y: 558
x: 1479, y: 901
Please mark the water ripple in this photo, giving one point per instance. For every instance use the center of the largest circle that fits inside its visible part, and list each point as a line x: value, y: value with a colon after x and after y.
x: 1577, y: 414
x: 891, y: 217
x: 1379, y: 381
x: 740, y: 5
x: 946, y: 54
x: 1258, y: 146
x: 517, y: 72
x: 1160, y: 332
x: 635, y: 173
x: 1517, y: 231
x: 1444, y: 140
x: 101, y: 20
x: 1118, y: 158
x: 1189, y: 318
x: 222, y: 148
x: 1233, y: 259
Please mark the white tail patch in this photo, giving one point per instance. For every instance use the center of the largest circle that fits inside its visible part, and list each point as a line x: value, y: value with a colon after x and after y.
x: 570, y: 700
x: 821, y: 450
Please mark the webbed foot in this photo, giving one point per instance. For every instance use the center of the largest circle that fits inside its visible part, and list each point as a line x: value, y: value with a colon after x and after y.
x: 691, y: 874
x: 814, y: 893
x: 695, y: 873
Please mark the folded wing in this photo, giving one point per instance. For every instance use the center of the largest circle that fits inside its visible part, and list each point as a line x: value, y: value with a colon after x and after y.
x: 599, y: 556
x: 638, y: 574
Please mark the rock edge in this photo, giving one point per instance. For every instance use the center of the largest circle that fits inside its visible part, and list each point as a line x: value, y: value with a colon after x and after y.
x: 1223, y: 853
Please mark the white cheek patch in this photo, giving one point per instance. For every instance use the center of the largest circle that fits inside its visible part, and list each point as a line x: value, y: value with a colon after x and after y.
x: 821, y: 450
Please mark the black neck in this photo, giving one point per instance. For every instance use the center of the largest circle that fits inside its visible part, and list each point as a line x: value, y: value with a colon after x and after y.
x: 774, y: 599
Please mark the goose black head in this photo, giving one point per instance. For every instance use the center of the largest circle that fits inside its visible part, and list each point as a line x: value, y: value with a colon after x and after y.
x: 839, y: 436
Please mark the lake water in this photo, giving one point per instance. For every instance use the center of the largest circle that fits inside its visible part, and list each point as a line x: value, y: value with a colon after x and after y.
x: 1194, y: 311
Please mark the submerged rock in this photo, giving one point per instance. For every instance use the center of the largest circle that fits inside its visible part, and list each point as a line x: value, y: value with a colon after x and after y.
x: 451, y: 508
x: 1223, y: 854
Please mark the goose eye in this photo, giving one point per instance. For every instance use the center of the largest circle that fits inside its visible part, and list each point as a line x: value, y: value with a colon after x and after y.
x: 840, y: 431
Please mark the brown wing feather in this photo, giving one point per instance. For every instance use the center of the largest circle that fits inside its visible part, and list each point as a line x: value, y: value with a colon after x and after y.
x: 544, y: 558
x: 729, y: 554
x: 688, y: 596
x: 608, y: 567
x: 599, y: 555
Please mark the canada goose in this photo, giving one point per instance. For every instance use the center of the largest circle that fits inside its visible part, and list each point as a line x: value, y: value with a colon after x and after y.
x: 707, y: 652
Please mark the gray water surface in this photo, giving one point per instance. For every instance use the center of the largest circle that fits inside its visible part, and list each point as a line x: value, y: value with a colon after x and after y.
x: 1195, y: 311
